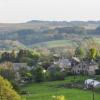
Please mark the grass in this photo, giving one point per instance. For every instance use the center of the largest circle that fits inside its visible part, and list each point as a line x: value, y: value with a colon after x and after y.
x: 57, y: 43
x: 97, y: 40
x: 61, y: 43
x: 45, y: 91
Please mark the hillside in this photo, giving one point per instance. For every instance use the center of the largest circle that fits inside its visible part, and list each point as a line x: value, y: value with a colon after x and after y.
x: 46, y: 32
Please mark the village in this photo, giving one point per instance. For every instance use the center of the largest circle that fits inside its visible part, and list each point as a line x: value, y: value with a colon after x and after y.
x: 27, y: 62
x: 25, y: 67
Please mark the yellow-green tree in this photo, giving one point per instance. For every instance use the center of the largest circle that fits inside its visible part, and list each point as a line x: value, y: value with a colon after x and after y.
x: 79, y: 52
x: 6, y: 91
x: 92, y: 53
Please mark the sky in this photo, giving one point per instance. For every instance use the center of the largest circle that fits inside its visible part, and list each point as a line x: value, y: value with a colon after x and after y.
x: 17, y: 11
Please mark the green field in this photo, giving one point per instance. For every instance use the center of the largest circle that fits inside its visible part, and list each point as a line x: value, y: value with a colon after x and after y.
x: 97, y: 40
x: 57, y: 43
x: 45, y: 91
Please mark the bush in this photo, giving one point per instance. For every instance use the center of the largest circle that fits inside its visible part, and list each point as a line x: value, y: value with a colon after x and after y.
x: 56, y: 73
x: 38, y: 74
x: 6, y: 91
x: 97, y: 72
x: 57, y: 76
x: 58, y: 97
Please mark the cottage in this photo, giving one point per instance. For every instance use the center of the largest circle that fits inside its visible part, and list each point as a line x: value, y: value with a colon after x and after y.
x: 84, y: 67
x: 76, y: 66
x: 63, y: 63
x: 18, y: 66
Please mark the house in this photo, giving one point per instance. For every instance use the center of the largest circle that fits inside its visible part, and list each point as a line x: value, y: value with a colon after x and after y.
x: 18, y: 66
x: 91, y: 83
x: 63, y: 63
x: 76, y: 66
x: 84, y: 67
x: 15, y: 67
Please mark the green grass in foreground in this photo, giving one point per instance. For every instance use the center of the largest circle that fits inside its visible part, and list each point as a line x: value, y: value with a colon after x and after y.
x: 44, y: 91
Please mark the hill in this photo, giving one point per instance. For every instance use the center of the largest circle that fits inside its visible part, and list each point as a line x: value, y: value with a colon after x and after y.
x: 46, y: 32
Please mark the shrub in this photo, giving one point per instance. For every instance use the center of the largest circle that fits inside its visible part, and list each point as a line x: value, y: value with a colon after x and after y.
x: 56, y: 73
x: 38, y: 74
x: 57, y: 76
x: 97, y: 72
x: 6, y: 91
x: 58, y: 97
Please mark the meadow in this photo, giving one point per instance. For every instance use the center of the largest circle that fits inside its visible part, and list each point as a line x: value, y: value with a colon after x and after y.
x: 45, y: 90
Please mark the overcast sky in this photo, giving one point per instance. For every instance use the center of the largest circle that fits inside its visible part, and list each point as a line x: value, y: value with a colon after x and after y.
x: 23, y: 10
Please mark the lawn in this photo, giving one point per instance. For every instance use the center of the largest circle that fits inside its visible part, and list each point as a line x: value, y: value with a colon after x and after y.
x: 44, y: 91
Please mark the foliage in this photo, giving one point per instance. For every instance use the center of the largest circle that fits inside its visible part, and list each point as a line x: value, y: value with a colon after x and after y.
x: 92, y: 53
x: 58, y: 97
x: 38, y: 74
x: 6, y: 70
x: 28, y: 74
x: 6, y: 91
x: 56, y: 73
x: 35, y: 55
x: 8, y: 74
x: 79, y: 52
x: 29, y: 57
x: 57, y: 76
x: 46, y: 60
x: 27, y: 60
x: 97, y: 72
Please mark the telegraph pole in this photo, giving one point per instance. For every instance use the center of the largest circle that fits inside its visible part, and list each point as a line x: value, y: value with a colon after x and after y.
x: 93, y: 91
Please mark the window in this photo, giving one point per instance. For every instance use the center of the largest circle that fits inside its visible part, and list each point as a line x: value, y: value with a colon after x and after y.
x: 84, y: 66
x: 78, y: 71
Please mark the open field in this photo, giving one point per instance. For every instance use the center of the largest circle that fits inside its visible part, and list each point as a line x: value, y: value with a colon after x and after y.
x: 57, y: 43
x: 97, y: 40
x: 45, y: 91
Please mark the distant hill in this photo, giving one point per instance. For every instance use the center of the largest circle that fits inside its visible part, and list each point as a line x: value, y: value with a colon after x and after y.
x: 37, y: 32
x: 10, y: 44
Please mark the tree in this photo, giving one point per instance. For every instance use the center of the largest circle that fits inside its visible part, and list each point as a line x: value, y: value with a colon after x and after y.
x: 12, y: 55
x: 29, y: 57
x: 6, y: 71
x: 56, y: 73
x: 35, y: 55
x: 46, y: 60
x: 6, y: 91
x: 6, y: 56
x: 92, y: 53
x: 8, y: 74
x: 79, y: 52
x: 38, y: 73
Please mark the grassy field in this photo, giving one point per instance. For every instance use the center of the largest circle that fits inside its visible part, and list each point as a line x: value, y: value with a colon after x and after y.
x: 57, y: 43
x: 68, y: 43
x: 97, y: 40
x: 45, y: 91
